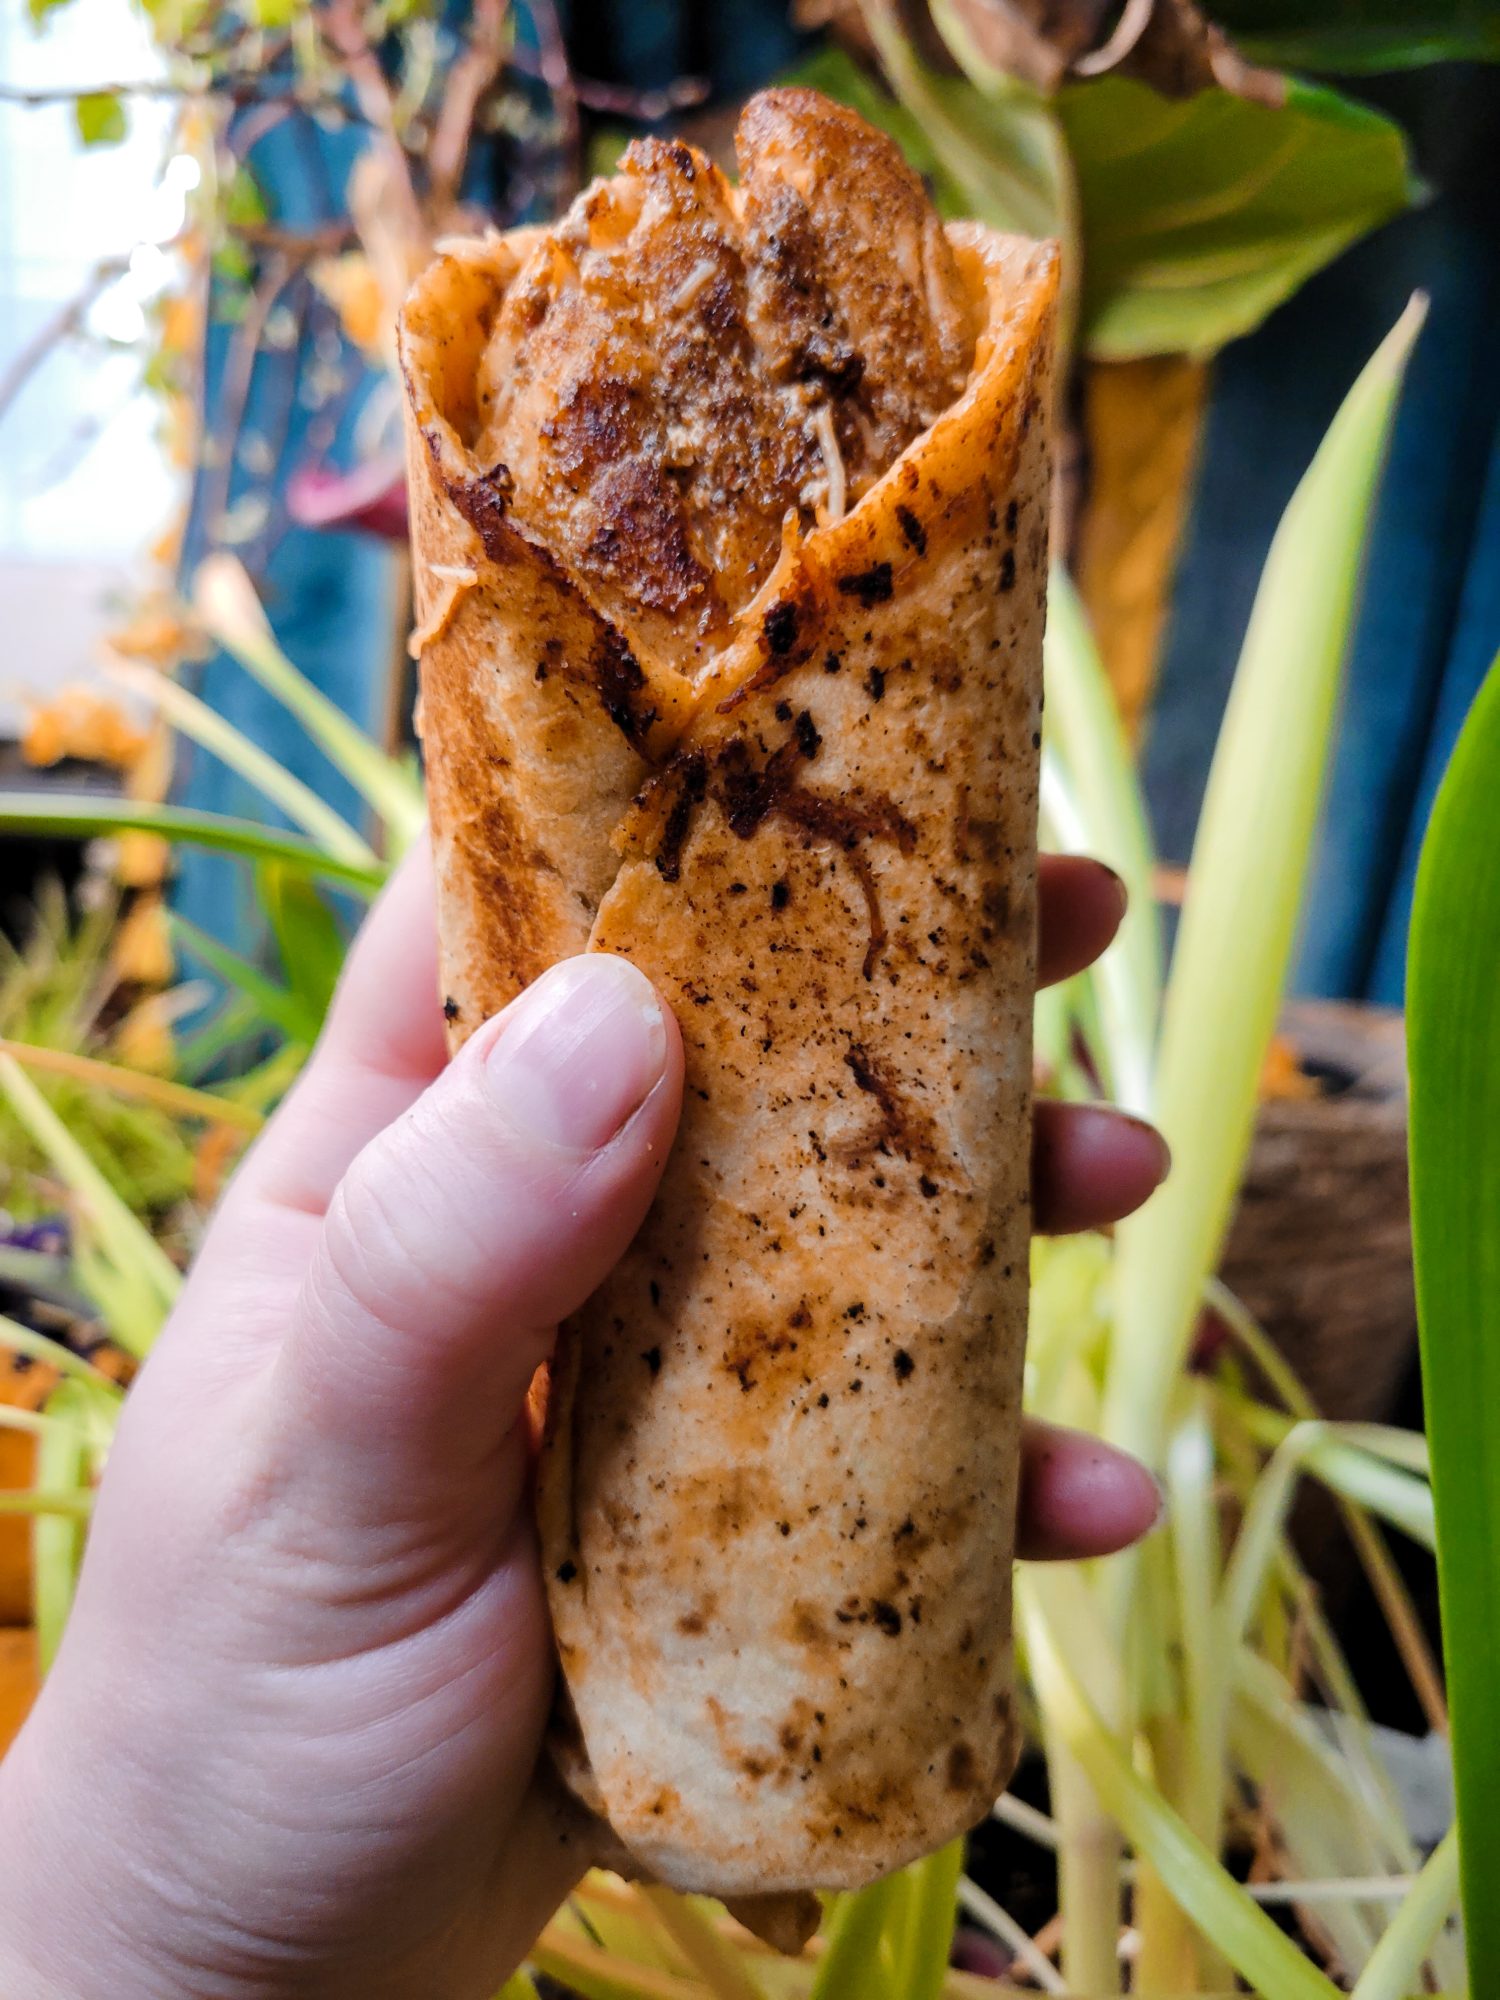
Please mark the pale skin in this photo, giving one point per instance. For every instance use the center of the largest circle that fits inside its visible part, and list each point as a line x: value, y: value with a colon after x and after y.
x: 287, y: 1746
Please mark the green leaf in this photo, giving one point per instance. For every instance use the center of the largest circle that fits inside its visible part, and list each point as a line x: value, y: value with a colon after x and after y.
x: 195, y: 719
x: 241, y: 200
x: 1395, y: 1967
x: 1453, y: 1052
x: 856, y: 1935
x: 135, y: 1283
x: 100, y: 118
x: 273, y: 13
x: 1354, y: 36
x: 49, y: 812
x: 1202, y: 214
x: 57, y: 1538
x: 1092, y: 804
x: 932, y: 1906
x: 277, y: 1006
x: 1266, y: 1958
x: 228, y: 606
x: 312, y: 946
x: 1000, y: 148
x: 1239, y: 922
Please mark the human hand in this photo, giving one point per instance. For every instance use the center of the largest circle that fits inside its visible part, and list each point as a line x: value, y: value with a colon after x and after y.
x: 287, y: 1745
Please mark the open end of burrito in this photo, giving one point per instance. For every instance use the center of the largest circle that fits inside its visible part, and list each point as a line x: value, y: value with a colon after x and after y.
x: 730, y: 511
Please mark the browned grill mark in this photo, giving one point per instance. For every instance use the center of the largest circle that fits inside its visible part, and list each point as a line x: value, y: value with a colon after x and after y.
x: 871, y: 586
x: 912, y: 530
x: 621, y: 683
x: 904, y: 1126
x: 962, y: 1768
x: 691, y: 775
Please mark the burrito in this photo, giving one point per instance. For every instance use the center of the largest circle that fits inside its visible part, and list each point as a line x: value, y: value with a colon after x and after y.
x: 729, y: 511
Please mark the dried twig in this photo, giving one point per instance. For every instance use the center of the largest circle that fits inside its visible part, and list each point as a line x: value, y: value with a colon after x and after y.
x: 67, y: 320
x: 206, y: 89
x: 239, y: 374
x: 470, y: 80
x: 342, y: 23
x: 556, y: 73
x: 619, y: 100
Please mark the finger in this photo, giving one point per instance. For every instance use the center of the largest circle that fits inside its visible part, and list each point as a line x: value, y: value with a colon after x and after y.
x: 1079, y: 904
x: 1080, y: 1497
x: 382, y: 1044
x: 1091, y: 1165
x: 461, y: 1235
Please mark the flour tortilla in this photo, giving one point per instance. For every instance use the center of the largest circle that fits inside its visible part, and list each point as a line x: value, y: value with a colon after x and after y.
x: 777, y: 1490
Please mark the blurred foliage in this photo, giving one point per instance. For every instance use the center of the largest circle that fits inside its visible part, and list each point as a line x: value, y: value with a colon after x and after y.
x: 1184, y: 220
x: 61, y: 988
x: 1351, y: 36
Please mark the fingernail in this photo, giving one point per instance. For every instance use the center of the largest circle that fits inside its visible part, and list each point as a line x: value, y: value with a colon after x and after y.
x: 1149, y: 1131
x: 579, y: 1051
x: 1118, y: 881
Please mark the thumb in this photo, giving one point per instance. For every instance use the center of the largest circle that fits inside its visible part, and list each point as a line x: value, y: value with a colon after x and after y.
x: 463, y: 1233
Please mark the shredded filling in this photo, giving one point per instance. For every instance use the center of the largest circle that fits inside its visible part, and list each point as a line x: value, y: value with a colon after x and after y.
x: 682, y: 367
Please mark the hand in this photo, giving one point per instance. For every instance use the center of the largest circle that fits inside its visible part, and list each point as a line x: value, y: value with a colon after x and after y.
x: 287, y: 1743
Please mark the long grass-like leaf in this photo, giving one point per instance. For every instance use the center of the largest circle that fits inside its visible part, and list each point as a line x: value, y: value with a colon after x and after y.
x: 205, y: 726
x: 853, y: 1960
x: 1453, y: 1051
x: 278, y: 1006
x: 712, y: 1957
x: 227, y: 604
x: 1263, y: 1955
x: 39, y: 1347
x: 178, y: 1098
x: 1095, y: 771
x: 1395, y: 1965
x: 932, y: 1893
x: 1239, y: 923
x: 57, y: 1533
x: 145, y: 1279
x: 46, y: 812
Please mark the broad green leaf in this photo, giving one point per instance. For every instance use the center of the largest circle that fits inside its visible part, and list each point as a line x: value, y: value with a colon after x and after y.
x: 1453, y: 1053
x: 312, y: 946
x: 1202, y: 214
x: 1001, y: 148
x: 1239, y: 922
x: 49, y: 812
x: 228, y: 606
x: 277, y: 1006
x: 1351, y: 36
x: 100, y: 118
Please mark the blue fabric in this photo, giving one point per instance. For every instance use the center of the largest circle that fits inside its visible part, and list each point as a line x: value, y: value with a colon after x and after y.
x: 330, y: 597
x: 1428, y: 620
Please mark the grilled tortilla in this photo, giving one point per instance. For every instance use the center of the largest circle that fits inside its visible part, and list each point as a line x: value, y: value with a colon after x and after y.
x: 729, y: 516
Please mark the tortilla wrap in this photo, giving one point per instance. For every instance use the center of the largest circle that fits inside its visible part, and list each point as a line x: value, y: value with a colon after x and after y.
x: 777, y: 1488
